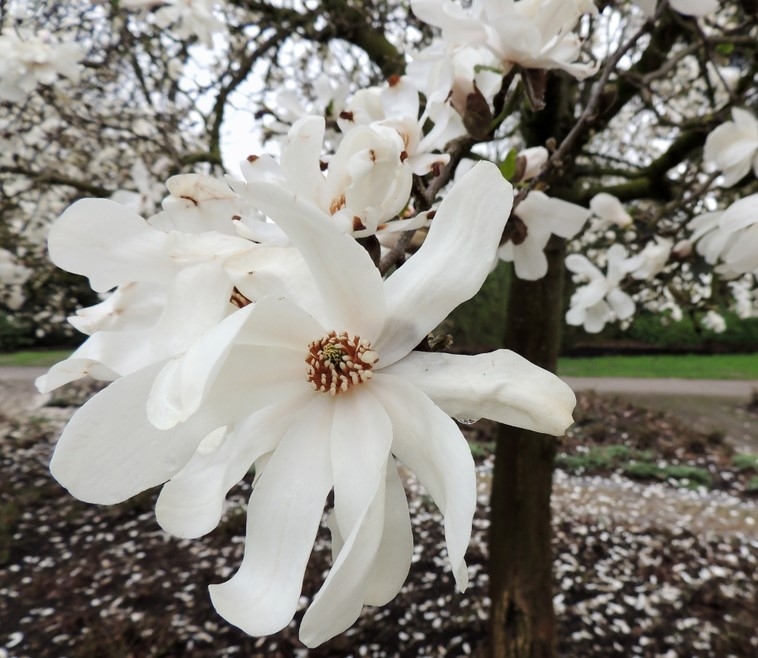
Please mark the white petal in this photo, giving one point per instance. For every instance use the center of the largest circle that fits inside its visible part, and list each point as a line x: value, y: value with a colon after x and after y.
x: 338, y: 603
x: 393, y: 559
x: 429, y: 443
x: 110, y: 244
x: 529, y: 260
x: 301, y: 156
x: 695, y: 7
x: 351, y: 287
x: 191, y: 503
x: 500, y: 385
x: 452, y: 263
x: 283, y: 516
x: 361, y: 438
x: 560, y: 217
x: 109, y: 451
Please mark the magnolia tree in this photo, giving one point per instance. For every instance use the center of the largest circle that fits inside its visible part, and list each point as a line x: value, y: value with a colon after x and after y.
x: 393, y: 156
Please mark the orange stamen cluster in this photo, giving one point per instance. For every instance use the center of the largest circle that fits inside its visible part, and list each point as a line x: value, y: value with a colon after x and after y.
x: 339, y: 361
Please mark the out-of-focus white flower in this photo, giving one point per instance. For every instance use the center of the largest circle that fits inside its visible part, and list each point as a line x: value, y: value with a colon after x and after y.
x: 186, y: 18
x: 652, y: 259
x: 535, y: 34
x: 320, y: 401
x: 733, y: 147
x: 714, y: 321
x: 682, y: 249
x: 147, y: 194
x: 13, y: 275
x: 534, y: 220
x: 28, y: 59
x: 730, y: 236
x: 396, y: 106
x: 687, y: 7
x: 535, y: 158
x: 609, y: 211
x: 368, y: 181
x: 598, y: 302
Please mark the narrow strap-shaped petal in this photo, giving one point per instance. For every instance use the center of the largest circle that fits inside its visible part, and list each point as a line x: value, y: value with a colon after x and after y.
x: 428, y: 442
x: 109, y: 451
x: 393, y: 558
x: 191, y: 502
x: 500, y: 385
x: 338, y: 603
x: 350, y: 287
x: 361, y: 439
x: 451, y: 265
x: 283, y: 516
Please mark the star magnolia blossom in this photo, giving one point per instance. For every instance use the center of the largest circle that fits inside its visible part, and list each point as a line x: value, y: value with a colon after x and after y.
x: 171, y: 286
x: 652, y: 259
x: 601, y: 299
x: 730, y: 236
x: 397, y: 106
x: 609, y: 211
x: 535, y: 219
x: 320, y: 401
x: 535, y: 34
x: 27, y: 60
x: 368, y: 180
x: 733, y: 147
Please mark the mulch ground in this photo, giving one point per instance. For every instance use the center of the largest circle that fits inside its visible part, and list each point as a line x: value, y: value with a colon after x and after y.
x: 84, y: 581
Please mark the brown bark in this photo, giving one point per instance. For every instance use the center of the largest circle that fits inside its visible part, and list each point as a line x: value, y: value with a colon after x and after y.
x: 522, y: 622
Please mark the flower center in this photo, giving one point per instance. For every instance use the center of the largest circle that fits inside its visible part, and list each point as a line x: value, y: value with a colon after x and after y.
x: 339, y: 361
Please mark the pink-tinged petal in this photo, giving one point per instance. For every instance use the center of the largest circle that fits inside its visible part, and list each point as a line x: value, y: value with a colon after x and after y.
x: 351, y: 287
x: 361, y: 439
x: 338, y: 603
x: 109, y: 451
x: 110, y: 244
x: 393, y: 558
x: 191, y: 503
x: 500, y: 385
x: 452, y: 263
x: 428, y: 442
x: 283, y: 516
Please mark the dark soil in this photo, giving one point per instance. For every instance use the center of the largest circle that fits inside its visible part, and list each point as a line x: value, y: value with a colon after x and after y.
x: 84, y: 581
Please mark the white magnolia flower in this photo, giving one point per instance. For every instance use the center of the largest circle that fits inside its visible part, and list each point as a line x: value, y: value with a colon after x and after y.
x: 714, y: 322
x: 368, y: 181
x: 396, y: 106
x: 601, y: 300
x: 186, y: 18
x: 321, y: 401
x: 729, y: 236
x: 535, y: 219
x: 687, y: 7
x: 652, y: 259
x: 535, y: 34
x: 733, y: 147
x: 535, y: 158
x: 170, y: 286
x: 28, y: 59
x: 609, y: 211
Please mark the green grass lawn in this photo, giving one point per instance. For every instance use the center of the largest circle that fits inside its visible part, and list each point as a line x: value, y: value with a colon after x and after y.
x: 681, y: 366
x: 39, y: 358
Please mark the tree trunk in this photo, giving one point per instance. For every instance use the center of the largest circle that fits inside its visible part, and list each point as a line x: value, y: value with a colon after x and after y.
x: 522, y: 622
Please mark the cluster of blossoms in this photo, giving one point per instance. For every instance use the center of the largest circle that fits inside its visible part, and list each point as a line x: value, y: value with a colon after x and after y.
x: 29, y: 59
x: 248, y: 328
x: 729, y: 238
x: 185, y: 18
